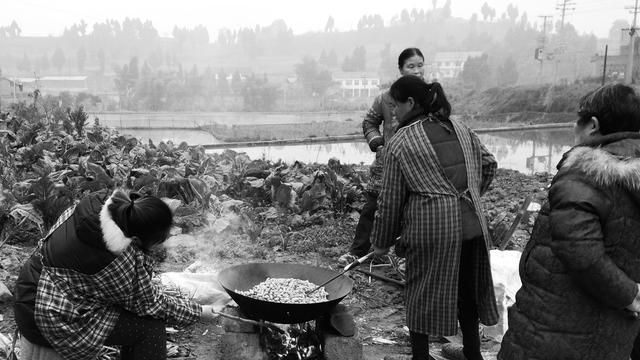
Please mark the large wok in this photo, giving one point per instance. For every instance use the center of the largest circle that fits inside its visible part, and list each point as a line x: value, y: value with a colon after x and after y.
x: 244, y: 277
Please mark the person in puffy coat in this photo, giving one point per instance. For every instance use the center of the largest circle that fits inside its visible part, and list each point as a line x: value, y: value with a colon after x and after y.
x: 378, y: 126
x: 581, y: 268
x: 89, y: 282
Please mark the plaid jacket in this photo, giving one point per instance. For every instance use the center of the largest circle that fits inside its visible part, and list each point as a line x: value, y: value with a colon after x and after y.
x: 418, y: 202
x: 76, y: 312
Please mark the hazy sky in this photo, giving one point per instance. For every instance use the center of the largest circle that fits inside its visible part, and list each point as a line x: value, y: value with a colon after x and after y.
x: 50, y: 17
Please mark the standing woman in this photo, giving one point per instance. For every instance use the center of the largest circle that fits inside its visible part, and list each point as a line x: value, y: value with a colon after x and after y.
x: 435, y: 171
x: 89, y: 283
x: 580, y: 270
x: 378, y: 126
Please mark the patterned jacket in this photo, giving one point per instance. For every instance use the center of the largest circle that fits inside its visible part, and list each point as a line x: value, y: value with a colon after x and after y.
x: 418, y: 202
x: 89, y: 272
x: 580, y: 268
x: 379, y: 115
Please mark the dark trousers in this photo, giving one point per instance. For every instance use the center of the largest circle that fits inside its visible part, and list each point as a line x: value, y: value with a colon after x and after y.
x: 141, y: 338
x: 635, y: 354
x: 361, y: 244
x: 467, y: 311
x: 467, y: 302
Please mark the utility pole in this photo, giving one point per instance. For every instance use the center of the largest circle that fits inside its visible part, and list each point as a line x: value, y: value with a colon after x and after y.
x: 628, y: 74
x: 543, y: 41
x: 564, y: 6
x: 604, y: 68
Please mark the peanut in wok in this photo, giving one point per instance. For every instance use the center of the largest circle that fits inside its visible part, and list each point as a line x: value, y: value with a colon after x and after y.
x: 287, y: 290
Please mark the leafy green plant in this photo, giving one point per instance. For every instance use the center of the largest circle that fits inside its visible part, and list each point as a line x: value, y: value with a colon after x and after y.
x: 78, y: 119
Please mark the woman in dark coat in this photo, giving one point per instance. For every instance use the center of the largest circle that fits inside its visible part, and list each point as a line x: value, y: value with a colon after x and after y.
x: 435, y: 171
x: 580, y: 270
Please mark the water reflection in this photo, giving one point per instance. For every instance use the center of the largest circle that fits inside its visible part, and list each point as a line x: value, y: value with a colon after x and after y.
x: 526, y: 151
x: 529, y: 151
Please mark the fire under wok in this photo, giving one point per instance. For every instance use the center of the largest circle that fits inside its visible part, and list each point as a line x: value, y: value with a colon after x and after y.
x: 246, y: 276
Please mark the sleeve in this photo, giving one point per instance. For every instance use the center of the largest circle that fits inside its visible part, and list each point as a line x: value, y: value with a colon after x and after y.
x: 488, y: 162
x: 391, y: 201
x: 147, y: 298
x: 577, y: 239
x: 373, y: 118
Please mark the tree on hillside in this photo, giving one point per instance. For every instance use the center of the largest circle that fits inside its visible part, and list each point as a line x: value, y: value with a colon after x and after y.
x: 507, y: 73
x: 313, y: 79
x: 236, y: 82
x: 330, y: 24
x: 446, y: 10
x: 404, y: 17
x: 14, y: 30
x: 24, y: 65
x: 101, y: 60
x: 258, y: 95
x: 82, y: 28
x: 486, y: 11
x: 155, y: 58
x: 476, y: 71
x: 42, y: 64
x: 512, y: 12
x: 222, y: 86
x: 58, y: 59
x: 524, y: 21
x: 357, y: 61
x: 81, y: 58
x: 126, y: 81
x: 388, y: 66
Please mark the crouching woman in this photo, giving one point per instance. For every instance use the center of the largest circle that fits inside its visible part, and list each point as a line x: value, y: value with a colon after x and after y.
x: 89, y: 283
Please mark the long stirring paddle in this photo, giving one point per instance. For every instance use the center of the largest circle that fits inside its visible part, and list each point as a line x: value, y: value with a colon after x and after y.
x: 346, y: 268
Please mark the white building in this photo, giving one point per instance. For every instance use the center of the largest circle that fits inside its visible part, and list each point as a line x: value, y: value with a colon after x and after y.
x: 449, y: 65
x: 357, y: 84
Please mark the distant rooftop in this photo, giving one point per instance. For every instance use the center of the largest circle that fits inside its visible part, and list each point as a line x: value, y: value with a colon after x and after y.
x: 27, y: 80
x: 456, y: 56
x: 354, y: 75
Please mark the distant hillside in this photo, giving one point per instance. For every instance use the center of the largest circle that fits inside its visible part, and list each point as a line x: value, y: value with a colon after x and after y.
x: 522, y: 104
x: 274, y: 50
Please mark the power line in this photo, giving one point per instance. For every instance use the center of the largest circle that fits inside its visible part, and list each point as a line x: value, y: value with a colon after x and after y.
x: 543, y: 41
x: 564, y: 6
x: 628, y: 76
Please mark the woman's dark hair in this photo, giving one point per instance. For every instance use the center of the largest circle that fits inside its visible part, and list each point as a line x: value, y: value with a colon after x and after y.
x: 145, y: 217
x: 430, y: 97
x: 616, y: 106
x: 408, y: 53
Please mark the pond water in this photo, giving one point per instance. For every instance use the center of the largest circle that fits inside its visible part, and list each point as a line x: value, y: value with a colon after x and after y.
x: 192, y: 137
x: 526, y: 151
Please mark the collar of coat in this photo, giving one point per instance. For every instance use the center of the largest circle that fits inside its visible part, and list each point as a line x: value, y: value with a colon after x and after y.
x: 609, y: 160
x: 416, y: 115
x: 114, y: 238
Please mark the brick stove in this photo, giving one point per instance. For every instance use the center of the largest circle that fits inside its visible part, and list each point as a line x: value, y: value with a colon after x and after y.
x: 241, y: 341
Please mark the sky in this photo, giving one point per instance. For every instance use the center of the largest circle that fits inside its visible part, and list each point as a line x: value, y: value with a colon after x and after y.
x: 44, y: 18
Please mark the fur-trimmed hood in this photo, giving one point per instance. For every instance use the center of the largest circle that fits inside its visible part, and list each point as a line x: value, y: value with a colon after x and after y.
x: 95, y: 225
x: 114, y: 238
x: 612, y: 160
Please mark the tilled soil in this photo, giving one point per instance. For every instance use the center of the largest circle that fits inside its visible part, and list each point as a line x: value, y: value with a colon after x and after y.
x: 376, y: 305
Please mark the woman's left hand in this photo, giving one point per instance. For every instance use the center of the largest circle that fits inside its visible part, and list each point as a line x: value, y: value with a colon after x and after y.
x: 208, y: 313
x: 380, y: 251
